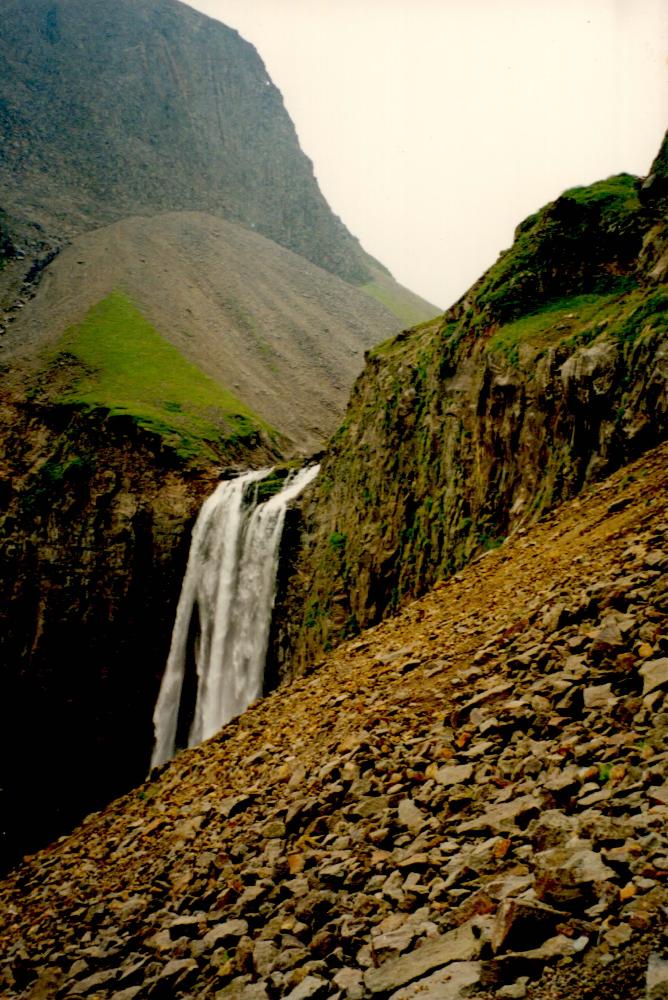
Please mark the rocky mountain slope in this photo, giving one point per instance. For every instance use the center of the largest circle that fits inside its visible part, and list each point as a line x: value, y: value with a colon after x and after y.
x: 469, y: 799
x: 550, y: 372
x: 284, y: 336
x: 146, y: 106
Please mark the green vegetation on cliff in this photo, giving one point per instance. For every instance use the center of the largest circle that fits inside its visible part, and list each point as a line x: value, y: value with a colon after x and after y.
x: 585, y: 242
x: 548, y: 373
x: 409, y: 308
x: 123, y: 365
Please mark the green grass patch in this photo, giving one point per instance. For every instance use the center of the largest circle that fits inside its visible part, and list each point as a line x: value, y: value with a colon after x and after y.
x: 583, y: 230
x: 578, y: 316
x: 337, y: 541
x: 617, y: 196
x: 644, y: 313
x: 408, y: 308
x: 621, y: 315
x: 126, y: 367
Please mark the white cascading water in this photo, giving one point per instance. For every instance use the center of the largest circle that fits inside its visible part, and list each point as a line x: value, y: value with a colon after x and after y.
x: 230, y: 581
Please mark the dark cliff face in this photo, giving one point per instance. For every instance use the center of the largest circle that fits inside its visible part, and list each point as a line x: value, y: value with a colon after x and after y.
x: 141, y: 106
x: 552, y: 371
x: 96, y: 518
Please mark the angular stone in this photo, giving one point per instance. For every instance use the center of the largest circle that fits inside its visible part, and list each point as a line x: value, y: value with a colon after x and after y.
x: 566, y: 876
x: 371, y: 805
x: 274, y: 829
x: 514, y: 991
x: 460, y: 945
x: 512, y: 964
x: 454, y: 982
x: 598, y: 696
x: 290, y: 958
x: 99, y: 980
x: 265, y: 954
x: 521, y: 925
x: 619, y: 935
x: 235, y: 804
x: 654, y: 674
x: 460, y: 714
x: 177, y: 969
x: 551, y: 829
x: 349, y: 981
x: 411, y: 816
x: 502, y: 817
x: 555, y: 618
x: 397, y: 940
x: 658, y: 793
x: 241, y: 989
x: 607, y: 639
x: 454, y: 774
x: 310, y: 988
x: 657, y: 977
x: 184, y: 927
x: 128, y: 994
x: 226, y: 933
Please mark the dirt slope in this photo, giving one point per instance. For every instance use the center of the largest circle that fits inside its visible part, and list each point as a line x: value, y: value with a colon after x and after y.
x: 470, y: 796
x: 285, y: 336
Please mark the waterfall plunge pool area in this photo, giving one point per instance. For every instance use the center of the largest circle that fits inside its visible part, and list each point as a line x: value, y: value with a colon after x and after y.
x: 224, y: 611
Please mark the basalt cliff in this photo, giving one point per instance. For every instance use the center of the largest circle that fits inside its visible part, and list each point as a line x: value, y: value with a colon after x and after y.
x: 551, y: 372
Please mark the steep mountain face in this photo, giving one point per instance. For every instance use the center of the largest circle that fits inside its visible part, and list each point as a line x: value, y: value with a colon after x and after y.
x: 470, y: 800
x: 551, y: 371
x: 142, y: 106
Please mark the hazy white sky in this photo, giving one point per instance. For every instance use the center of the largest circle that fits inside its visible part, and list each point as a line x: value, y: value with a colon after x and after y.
x: 435, y: 126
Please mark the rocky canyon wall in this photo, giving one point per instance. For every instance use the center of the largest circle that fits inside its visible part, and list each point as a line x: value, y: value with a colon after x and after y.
x: 551, y: 372
x: 96, y: 517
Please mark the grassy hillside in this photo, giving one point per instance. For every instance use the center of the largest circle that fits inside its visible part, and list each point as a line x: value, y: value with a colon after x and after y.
x: 120, y: 363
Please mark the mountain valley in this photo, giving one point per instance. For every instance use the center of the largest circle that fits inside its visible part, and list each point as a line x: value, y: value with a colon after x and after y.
x: 455, y: 785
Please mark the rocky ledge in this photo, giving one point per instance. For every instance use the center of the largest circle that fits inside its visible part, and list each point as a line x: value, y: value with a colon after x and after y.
x: 469, y: 800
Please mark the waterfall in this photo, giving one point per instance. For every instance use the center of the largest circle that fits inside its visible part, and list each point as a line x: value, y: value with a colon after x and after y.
x: 230, y: 585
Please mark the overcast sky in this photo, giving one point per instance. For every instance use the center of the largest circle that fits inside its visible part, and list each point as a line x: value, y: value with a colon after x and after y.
x: 435, y: 126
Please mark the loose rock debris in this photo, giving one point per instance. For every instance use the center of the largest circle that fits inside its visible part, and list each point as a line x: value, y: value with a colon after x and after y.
x: 490, y: 822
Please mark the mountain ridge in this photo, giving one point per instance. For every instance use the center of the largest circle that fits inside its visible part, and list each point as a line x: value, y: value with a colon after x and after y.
x: 123, y: 128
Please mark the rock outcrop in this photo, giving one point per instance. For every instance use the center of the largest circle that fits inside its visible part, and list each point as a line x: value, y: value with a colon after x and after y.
x: 95, y: 523
x: 470, y: 799
x: 551, y: 372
